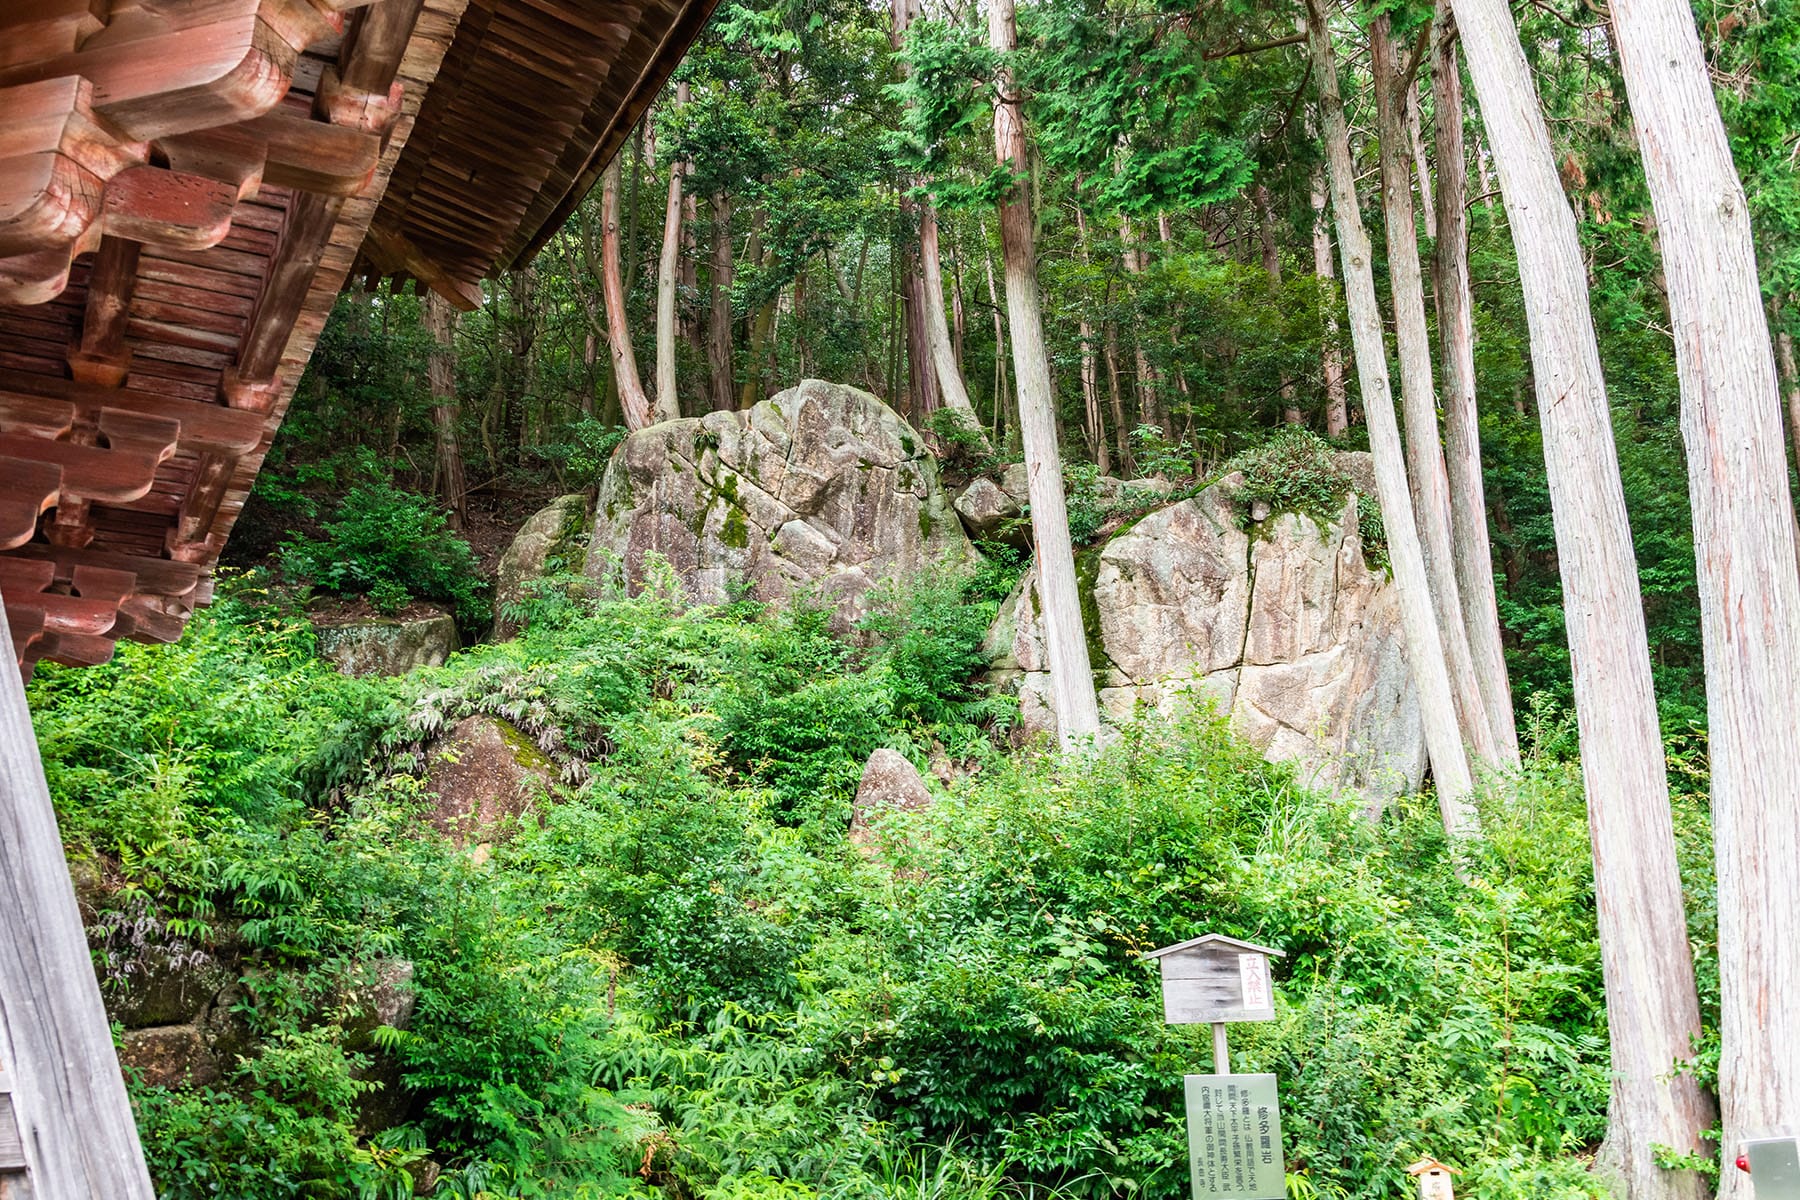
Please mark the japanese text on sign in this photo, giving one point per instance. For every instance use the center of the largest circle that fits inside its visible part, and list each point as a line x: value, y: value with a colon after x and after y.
x: 1234, y: 1138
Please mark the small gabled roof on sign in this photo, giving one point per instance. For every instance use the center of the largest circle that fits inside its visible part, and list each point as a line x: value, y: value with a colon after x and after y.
x: 1207, y: 939
x: 1430, y: 1164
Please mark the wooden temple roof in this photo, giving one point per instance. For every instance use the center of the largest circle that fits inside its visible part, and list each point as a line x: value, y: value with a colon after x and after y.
x: 185, y: 185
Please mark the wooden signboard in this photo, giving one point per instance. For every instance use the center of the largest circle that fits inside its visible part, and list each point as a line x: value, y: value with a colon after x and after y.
x: 1434, y: 1179
x: 1774, y: 1167
x: 1216, y: 979
x: 1234, y: 1138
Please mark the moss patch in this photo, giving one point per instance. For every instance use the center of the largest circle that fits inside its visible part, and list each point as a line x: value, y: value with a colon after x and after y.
x: 736, y: 532
x: 525, y: 751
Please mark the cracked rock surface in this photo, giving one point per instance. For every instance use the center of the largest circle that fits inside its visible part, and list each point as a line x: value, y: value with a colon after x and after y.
x: 821, y: 488
x: 1280, y: 623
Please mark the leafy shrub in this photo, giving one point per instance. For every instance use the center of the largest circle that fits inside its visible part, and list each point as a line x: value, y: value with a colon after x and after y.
x: 393, y: 546
x: 1087, y: 511
x: 1294, y: 471
x: 927, y: 639
x: 1155, y: 454
x: 960, y: 440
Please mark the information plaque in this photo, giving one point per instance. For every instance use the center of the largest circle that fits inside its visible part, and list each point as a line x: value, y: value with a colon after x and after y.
x: 1234, y: 1138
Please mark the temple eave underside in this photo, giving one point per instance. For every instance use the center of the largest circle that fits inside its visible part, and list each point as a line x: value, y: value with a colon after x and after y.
x: 185, y: 186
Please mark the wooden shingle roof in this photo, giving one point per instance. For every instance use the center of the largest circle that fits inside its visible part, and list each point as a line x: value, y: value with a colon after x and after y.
x: 185, y: 185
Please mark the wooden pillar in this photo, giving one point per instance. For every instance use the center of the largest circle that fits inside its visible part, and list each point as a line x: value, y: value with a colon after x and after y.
x: 75, y: 1125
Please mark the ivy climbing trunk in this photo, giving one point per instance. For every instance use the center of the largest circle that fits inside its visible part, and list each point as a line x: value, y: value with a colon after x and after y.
x: 1474, y: 559
x: 1424, y: 644
x: 1337, y: 396
x: 1065, y: 642
x: 1744, y: 550
x: 1653, y: 1013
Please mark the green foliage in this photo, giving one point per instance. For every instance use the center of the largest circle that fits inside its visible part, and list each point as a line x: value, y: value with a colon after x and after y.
x: 678, y: 979
x: 1294, y: 471
x: 1157, y: 455
x: 394, y: 547
x: 960, y: 440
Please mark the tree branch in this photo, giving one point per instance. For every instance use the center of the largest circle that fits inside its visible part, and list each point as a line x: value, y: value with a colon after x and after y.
x: 1241, y: 48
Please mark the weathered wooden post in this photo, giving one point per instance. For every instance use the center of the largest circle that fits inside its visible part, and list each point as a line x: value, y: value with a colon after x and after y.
x: 1434, y: 1179
x: 66, y: 1129
x: 1234, y: 1121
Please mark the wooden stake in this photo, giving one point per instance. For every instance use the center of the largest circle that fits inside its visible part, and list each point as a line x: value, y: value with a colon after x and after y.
x: 75, y: 1124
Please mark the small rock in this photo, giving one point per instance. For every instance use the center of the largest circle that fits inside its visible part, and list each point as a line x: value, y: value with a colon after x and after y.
x: 890, y: 783
x: 988, y: 512
x: 170, y: 1056
x: 162, y: 990
x: 425, y: 1175
x: 1260, y: 510
x: 388, y: 647
x: 377, y: 995
x: 1016, y: 482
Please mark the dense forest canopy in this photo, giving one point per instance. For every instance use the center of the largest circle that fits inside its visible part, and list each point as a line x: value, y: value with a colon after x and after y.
x: 1175, y: 186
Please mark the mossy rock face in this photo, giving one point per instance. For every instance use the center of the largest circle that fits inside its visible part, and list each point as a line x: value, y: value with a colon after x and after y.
x: 388, y: 647
x: 822, y: 488
x: 1280, y: 622
x: 553, y: 541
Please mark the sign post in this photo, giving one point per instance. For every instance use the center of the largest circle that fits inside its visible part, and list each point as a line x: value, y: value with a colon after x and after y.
x: 1234, y: 1121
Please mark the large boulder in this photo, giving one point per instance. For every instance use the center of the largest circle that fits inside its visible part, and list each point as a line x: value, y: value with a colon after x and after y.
x: 1281, y: 624
x: 555, y: 536
x: 479, y: 775
x: 389, y: 647
x: 821, y: 487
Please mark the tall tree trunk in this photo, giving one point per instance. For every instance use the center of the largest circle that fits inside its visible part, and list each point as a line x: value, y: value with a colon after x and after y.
x: 1415, y: 137
x: 1784, y: 348
x: 1271, y: 261
x: 1121, y: 431
x: 1337, y: 398
x: 937, y: 328
x: 686, y: 319
x: 718, y: 289
x: 1653, y: 1014
x: 921, y: 372
x: 959, y: 313
x: 1090, y: 368
x: 1424, y: 644
x: 1065, y: 642
x: 440, y: 372
x: 668, y: 400
x: 1462, y: 428
x: 1000, y: 351
x: 1744, y: 549
x: 1412, y: 336
x: 632, y: 400
x: 1150, y: 409
x: 758, y: 323
x: 632, y: 257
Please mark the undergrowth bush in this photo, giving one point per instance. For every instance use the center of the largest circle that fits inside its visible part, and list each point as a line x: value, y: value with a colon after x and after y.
x: 677, y: 979
x: 393, y: 546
